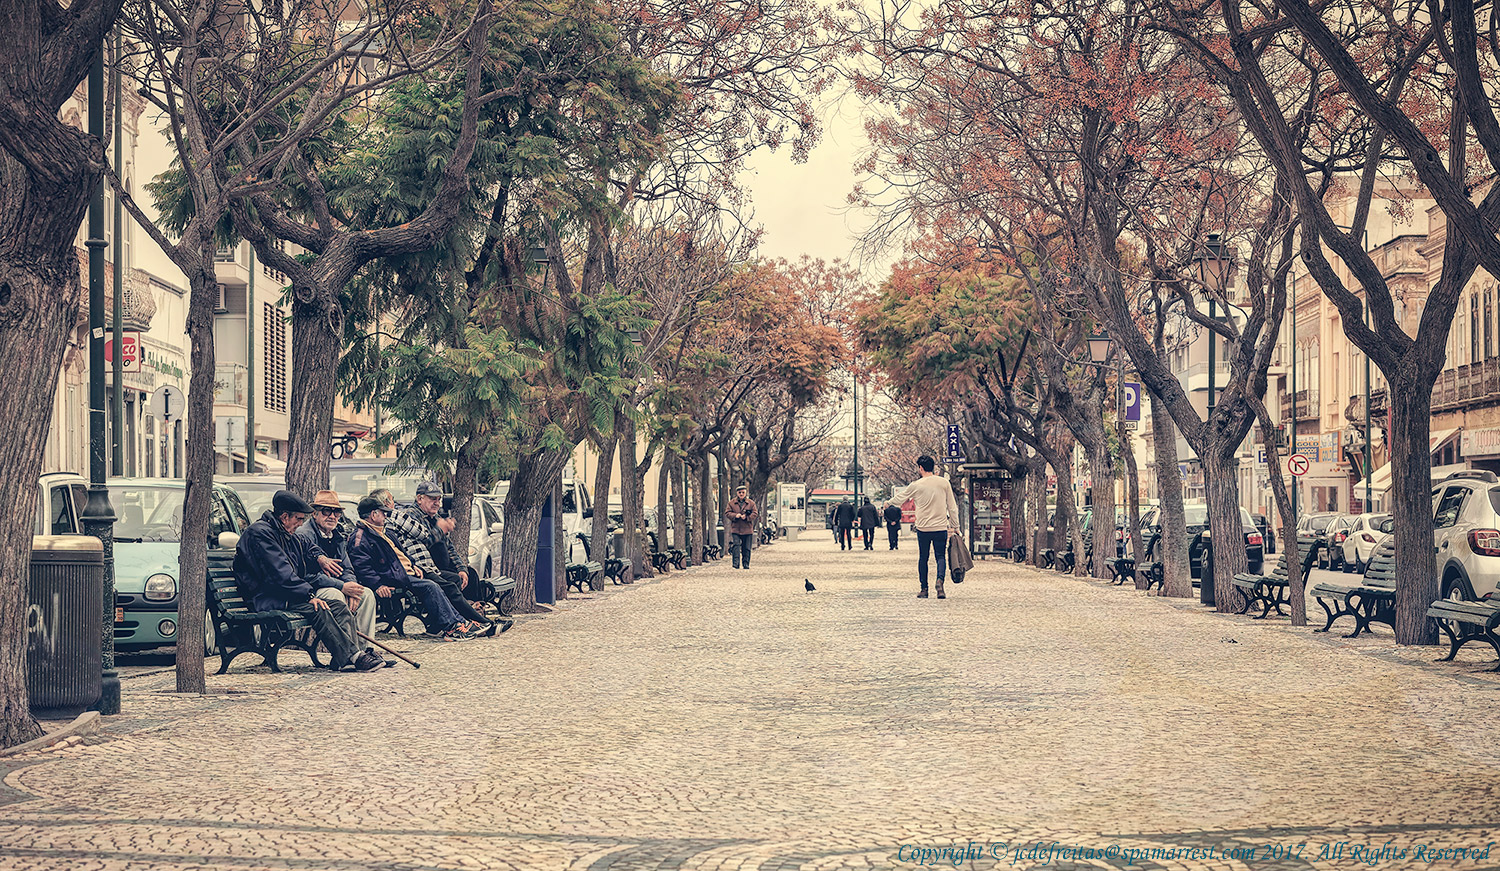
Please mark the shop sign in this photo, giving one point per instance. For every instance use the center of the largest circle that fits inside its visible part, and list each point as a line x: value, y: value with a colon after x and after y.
x: 1481, y: 442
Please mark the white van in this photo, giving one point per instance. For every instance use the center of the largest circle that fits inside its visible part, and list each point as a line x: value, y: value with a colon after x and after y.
x: 576, y: 514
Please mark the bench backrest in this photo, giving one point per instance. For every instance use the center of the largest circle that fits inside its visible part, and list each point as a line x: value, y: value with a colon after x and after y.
x: 224, y: 595
x: 1382, y: 568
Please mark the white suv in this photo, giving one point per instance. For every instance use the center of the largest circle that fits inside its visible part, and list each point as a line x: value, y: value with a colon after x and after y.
x: 1466, y: 534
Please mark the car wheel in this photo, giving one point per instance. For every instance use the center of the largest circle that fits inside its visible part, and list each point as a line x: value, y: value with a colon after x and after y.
x: 210, y: 634
x: 1360, y: 566
x: 1455, y: 589
x: 1346, y: 565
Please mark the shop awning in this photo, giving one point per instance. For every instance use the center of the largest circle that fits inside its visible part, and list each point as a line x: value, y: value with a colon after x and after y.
x: 1381, y: 480
x: 263, y: 462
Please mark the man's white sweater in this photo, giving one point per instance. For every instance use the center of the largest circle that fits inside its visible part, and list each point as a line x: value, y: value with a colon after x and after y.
x: 936, y: 508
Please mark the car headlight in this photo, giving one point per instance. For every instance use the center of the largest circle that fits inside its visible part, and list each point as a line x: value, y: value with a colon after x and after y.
x: 160, y: 588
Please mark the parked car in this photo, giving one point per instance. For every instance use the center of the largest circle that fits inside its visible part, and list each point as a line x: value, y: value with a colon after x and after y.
x: 147, y: 538
x: 486, y: 532
x: 1315, y: 528
x: 1267, y: 531
x: 59, y: 507
x: 1365, y: 534
x: 1332, y: 555
x: 1196, y: 516
x: 1466, y: 535
x: 1121, y: 536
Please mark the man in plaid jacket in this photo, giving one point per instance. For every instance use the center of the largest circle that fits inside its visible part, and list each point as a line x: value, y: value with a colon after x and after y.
x: 415, y: 529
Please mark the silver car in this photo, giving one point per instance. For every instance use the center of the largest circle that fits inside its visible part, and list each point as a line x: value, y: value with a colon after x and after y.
x: 1466, y: 534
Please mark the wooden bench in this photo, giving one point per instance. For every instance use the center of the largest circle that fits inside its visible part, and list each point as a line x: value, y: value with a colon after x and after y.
x: 1371, y: 600
x: 1467, y: 621
x: 1124, y: 567
x: 391, y: 612
x: 614, y: 568
x: 238, y: 629
x: 580, y: 574
x: 660, y: 559
x: 1273, y: 590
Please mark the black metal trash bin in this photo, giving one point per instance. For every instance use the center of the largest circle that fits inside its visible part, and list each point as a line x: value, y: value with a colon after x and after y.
x: 64, y: 625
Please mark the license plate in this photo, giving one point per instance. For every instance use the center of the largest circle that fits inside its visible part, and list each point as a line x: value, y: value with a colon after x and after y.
x: 119, y: 615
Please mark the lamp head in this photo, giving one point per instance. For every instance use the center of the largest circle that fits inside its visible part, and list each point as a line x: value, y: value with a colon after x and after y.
x: 1099, y: 343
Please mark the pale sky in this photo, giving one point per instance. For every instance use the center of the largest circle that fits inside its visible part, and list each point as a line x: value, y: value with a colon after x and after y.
x: 802, y: 207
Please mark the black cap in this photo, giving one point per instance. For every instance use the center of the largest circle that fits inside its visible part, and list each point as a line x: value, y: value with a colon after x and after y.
x: 429, y: 488
x: 287, y: 502
x: 368, y: 505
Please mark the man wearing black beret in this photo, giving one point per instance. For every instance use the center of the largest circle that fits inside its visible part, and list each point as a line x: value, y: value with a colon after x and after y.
x: 279, y: 571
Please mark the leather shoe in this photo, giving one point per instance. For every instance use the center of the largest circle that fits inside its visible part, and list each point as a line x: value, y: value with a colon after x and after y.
x: 368, y: 661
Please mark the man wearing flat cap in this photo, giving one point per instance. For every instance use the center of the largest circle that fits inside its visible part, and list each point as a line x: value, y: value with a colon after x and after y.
x: 741, y: 513
x: 279, y: 572
x: 418, y: 532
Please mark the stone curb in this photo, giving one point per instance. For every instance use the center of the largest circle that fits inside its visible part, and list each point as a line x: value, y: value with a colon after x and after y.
x: 85, y: 723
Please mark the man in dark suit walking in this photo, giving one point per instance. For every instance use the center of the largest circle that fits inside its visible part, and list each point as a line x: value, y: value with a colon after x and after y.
x: 869, y: 518
x: 893, y: 522
x: 843, y: 523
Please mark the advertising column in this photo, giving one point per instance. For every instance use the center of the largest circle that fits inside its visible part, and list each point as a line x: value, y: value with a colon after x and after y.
x: 791, y: 505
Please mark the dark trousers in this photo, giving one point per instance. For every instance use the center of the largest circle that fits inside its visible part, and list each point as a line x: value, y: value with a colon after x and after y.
x: 893, y: 530
x: 868, y: 533
x: 739, y: 547
x: 938, y: 542
x: 846, y: 538
x: 451, y: 585
x: 436, y: 603
x: 329, y: 624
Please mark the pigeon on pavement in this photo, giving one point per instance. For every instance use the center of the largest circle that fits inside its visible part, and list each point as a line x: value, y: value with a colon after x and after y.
x: 807, y: 584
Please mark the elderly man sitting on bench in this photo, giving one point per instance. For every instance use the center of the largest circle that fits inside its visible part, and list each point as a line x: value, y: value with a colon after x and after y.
x: 278, y: 570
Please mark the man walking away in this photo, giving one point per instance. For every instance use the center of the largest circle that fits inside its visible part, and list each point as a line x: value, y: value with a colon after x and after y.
x: 893, y: 522
x: 278, y: 571
x: 742, y: 515
x: 869, y: 518
x: 937, y: 513
x: 843, y: 522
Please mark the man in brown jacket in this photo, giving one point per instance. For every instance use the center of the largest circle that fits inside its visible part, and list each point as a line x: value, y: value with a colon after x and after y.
x: 741, y: 514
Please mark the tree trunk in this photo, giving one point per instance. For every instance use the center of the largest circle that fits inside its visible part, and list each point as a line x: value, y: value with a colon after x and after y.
x: 665, y: 493
x: 1037, y: 479
x: 704, y: 490
x: 192, y: 558
x: 562, y: 545
x: 679, y: 498
x: 1018, y: 512
x: 1172, y: 548
x: 315, y: 359
x: 1221, y: 487
x: 1066, y: 529
x: 630, y: 500
x: 1133, y: 504
x: 1417, y: 581
x: 1102, y: 468
x: 1289, y: 550
x: 465, y: 482
x: 40, y: 297
x: 713, y: 519
x: 599, y: 527
x: 536, y: 476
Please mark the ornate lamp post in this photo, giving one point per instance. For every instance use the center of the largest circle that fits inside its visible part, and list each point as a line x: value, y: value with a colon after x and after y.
x: 1213, y: 266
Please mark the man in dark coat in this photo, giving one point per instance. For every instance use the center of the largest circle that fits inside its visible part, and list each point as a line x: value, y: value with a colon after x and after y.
x: 382, y: 566
x: 843, y: 522
x: 869, y: 518
x: 279, y: 572
x: 893, y: 522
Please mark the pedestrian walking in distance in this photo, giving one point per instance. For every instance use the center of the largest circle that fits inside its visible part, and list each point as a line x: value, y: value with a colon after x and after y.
x: 741, y: 513
x: 937, y: 514
x: 893, y: 523
x: 843, y: 522
x: 869, y: 518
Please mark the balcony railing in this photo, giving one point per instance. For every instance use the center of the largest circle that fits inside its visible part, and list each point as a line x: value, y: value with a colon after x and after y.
x: 1473, y: 382
x: 1307, y: 405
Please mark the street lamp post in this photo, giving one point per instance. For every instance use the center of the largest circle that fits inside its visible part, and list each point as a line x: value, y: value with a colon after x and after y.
x: 1213, y: 271
x: 98, y: 515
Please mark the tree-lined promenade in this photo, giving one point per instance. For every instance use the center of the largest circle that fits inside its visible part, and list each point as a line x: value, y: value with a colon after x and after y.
x: 516, y: 227
x: 677, y: 729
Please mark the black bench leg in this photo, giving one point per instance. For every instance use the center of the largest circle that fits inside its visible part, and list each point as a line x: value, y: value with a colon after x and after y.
x: 1455, y: 641
x: 1331, y: 616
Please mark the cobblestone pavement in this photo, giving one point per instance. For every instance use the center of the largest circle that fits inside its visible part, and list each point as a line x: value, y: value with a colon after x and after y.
x: 722, y: 720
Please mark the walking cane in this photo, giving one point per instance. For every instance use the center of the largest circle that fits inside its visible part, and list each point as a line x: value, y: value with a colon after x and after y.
x: 406, y: 659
